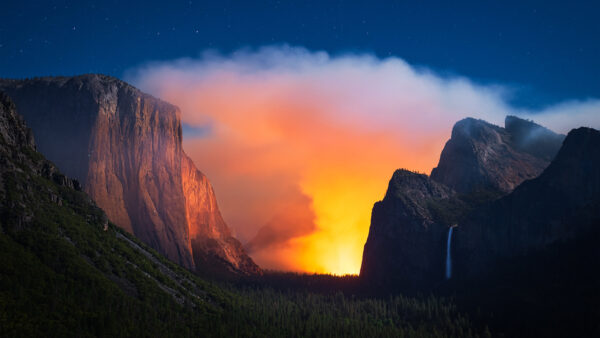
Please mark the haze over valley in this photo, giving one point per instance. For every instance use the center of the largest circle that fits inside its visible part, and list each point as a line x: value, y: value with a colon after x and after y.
x: 299, y: 169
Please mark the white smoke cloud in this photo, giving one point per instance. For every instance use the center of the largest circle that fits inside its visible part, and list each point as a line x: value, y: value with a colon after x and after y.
x: 565, y: 116
x: 284, y: 122
x: 362, y: 85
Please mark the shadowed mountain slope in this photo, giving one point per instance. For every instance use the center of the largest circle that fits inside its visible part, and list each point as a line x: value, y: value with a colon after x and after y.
x: 66, y: 271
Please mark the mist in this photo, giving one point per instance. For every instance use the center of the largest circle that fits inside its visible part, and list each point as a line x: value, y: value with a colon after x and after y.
x: 299, y: 144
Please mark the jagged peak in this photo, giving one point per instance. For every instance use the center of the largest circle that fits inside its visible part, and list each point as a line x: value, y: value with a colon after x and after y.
x: 511, y: 120
x: 481, y: 155
x: 6, y: 102
x: 472, y: 128
x: 407, y: 182
x: 12, y: 126
x: 406, y: 177
x: 402, y: 172
x: 518, y: 127
x: 533, y: 138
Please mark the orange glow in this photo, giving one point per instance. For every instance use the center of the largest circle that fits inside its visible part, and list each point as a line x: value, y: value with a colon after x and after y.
x: 299, y: 156
x: 258, y: 161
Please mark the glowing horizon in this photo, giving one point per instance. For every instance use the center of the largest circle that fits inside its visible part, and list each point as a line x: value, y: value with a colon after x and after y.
x: 301, y: 144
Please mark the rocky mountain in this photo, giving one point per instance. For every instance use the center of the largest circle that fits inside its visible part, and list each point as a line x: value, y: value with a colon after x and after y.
x: 562, y: 204
x: 482, y: 156
x: 529, y: 137
x: 66, y: 270
x: 124, y: 146
x: 405, y: 245
x: 213, y: 248
x: 471, y: 191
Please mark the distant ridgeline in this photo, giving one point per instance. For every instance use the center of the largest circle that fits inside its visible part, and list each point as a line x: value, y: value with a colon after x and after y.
x: 502, y: 203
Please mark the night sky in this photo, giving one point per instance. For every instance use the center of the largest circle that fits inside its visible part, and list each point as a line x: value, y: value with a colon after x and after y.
x: 548, y: 50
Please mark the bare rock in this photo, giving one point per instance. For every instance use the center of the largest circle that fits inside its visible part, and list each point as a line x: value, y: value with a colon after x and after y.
x: 124, y: 146
x: 482, y: 156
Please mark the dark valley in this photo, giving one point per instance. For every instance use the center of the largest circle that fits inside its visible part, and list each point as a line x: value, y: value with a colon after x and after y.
x: 130, y: 240
x: 300, y: 169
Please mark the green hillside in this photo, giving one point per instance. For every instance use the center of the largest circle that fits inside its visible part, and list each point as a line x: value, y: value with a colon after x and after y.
x: 66, y: 271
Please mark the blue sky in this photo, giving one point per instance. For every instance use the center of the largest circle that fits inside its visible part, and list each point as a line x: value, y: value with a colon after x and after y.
x: 547, y: 50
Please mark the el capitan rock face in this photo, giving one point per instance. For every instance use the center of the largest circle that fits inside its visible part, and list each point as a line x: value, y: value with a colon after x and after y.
x: 211, y: 243
x: 125, y: 148
x: 482, y: 156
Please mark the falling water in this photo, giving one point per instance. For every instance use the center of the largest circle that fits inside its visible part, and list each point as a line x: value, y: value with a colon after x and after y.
x: 448, y: 259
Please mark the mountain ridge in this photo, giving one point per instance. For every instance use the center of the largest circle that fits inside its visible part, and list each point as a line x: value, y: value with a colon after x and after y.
x: 480, y: 155
x: 124, y: 146
x: 561, y: 204
x: 407, y: 244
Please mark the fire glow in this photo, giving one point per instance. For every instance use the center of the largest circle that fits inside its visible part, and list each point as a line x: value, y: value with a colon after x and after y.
x: 299, y: 145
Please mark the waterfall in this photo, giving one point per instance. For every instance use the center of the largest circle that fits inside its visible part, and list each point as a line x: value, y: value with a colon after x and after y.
x: 448, y: 258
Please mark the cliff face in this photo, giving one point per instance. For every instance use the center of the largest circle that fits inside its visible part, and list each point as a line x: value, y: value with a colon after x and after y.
x: 124, y: 146
x: 481, y: 156
x: 561, y: 204
x: 66, y: 270
x: 16, y: 139
x: 529, y: 137
x: 211, y: 243
x: 406, y: 242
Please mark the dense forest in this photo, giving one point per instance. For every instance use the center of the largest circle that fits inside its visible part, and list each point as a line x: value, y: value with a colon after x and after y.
x: 66, y: 271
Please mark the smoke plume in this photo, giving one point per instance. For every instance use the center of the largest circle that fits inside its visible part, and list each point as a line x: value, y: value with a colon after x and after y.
x: 299, y: 144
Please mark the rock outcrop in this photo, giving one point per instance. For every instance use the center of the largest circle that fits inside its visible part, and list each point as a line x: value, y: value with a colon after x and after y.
x: 496, y: 187
x: 406, y: 242
x: 529, y: 137
x: 19, y: 164
x: 482, y: 156
x: 214, y: 249
x: 124, y: 146
x: 67, y: 271
x: 561, y: 204
x: 13, y: 132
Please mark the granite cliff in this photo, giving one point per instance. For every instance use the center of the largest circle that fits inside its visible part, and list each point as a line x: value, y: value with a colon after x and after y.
x: 124, y: 146
x: 66, y: 270
x: 482, y: 156
x: 213, y: 247
x: 507, y: 192
x: 405, y: 245
x: 562, y: 204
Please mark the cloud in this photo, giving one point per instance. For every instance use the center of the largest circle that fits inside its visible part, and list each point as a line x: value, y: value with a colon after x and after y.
x: 300, y: 144
x: 568, y: 115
